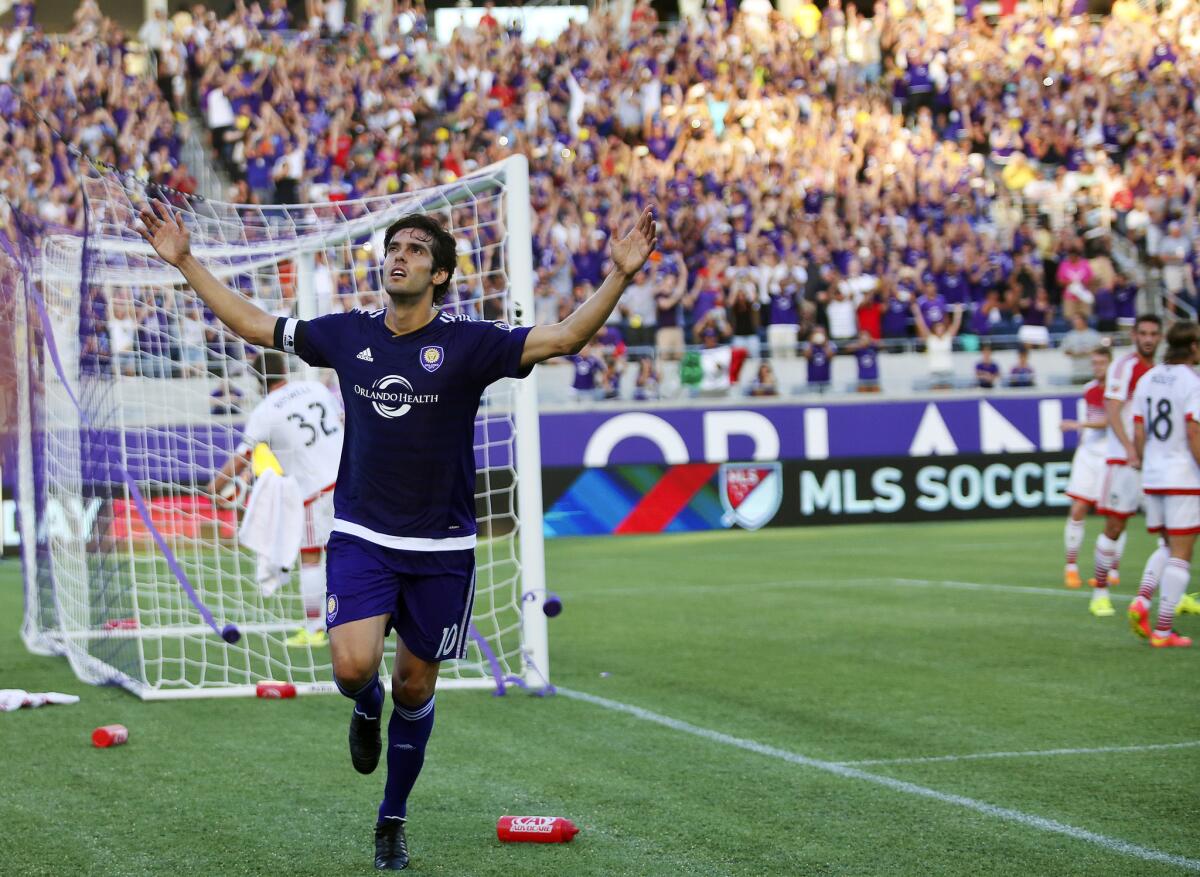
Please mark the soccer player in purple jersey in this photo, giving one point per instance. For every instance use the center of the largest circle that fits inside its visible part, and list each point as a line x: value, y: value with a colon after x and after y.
x: 402, y: 552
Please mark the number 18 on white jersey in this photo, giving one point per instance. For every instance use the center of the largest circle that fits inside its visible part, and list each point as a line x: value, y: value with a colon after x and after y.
x: 1166, y: 399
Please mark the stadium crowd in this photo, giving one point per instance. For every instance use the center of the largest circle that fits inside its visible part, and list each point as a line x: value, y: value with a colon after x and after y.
x: 829, y: 182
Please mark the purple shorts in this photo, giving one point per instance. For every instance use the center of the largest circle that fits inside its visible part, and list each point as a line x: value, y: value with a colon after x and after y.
x: 428, y: 594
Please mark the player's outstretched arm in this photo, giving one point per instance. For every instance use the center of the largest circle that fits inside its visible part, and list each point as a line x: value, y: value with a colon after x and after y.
x: 628, y: 254
x: 170, y: 239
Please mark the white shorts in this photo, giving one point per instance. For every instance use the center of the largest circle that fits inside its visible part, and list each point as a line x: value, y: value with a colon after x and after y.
x: 1173, y: 514
x: 1087, y: 475
x: 1121, y: 491
x: 318, y: 520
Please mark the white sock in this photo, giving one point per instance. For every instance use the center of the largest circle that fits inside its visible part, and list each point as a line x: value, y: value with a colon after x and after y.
x: 1152, y: 573
x: 312, y: 592
x: 1172, y: 586
x: 1105, y: 549
x: 1072, y: 539
x: 1119, y: 549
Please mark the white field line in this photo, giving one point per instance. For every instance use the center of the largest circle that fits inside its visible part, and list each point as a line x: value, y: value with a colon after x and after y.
x: 1032, y: 753
x: 1111, y: 844
x: 984, y: 586
x: 841, y: 583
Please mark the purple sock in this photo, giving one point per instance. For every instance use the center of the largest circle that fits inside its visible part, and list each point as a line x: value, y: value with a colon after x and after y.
x: 368, y: 700
x: 408, y: 732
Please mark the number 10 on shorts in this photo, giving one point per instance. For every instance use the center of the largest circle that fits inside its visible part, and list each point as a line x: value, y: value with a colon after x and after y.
x: 449, y: 641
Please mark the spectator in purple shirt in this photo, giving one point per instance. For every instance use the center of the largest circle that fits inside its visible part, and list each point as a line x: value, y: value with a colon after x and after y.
x: 819, y: 353
x: 987, y: 373
x: 1022, y: 373
x: 866, y: 355
x: 932, y: 305
x: 588, y: 382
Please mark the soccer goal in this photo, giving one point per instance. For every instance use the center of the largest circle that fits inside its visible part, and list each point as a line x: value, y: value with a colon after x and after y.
x: 132, y: 395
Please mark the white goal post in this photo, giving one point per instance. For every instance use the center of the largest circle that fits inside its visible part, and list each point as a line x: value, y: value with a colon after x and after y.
x: 133, y: 395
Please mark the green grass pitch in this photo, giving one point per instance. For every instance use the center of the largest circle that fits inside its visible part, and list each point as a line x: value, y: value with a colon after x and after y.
x: 864, y: 643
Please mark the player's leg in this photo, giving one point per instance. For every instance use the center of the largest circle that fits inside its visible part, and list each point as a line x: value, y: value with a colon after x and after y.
x: 1183, y: 523
x: 432, y: 623
x: 363, y: 589
x: 1138, y: 612
x: 1073, y: 539
x: 413, y: 682
x: 356, y: 648
x: 1119, y: 500
x: 1106, y: 547
x: 1174, y: 583
x: 1114, y: 571
x: 312, y: 596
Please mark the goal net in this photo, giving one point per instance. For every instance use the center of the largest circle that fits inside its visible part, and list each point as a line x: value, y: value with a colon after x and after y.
x: 131, y: 396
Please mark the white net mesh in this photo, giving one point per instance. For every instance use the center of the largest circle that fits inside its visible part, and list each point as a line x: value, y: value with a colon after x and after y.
x: 161, y: 391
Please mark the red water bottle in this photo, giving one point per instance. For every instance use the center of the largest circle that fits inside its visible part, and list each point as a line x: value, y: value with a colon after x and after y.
x: 275, y: 689
x: 110, y: 735
x: 536, y: 829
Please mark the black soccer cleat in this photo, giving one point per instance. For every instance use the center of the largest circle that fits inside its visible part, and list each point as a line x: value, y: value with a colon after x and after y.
x: 391, y: 846
x: 365, y: 744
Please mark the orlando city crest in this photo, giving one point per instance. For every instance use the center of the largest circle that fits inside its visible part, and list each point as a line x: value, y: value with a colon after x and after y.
x: 431, y: 358
x: 750, y: 493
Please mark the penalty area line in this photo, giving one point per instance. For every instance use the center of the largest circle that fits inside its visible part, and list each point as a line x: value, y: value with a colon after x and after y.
x: 1006, y: 814
x: 1031, y: 753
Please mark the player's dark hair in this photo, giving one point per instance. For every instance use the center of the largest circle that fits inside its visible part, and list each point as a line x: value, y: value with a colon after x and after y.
x: 1181, y: 338
x: 272, y: 366
x: 1148, y: 318
x: 442, y: 246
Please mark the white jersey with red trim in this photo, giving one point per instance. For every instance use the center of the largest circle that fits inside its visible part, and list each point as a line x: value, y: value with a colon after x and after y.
x: 1166, y: 400
x: 1120, y: 383
x: 302, y: 424
x: 1093, y: 440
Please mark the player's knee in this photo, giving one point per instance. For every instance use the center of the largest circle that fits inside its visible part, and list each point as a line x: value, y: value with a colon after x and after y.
x: 352, y: 671
x: 411, y: 691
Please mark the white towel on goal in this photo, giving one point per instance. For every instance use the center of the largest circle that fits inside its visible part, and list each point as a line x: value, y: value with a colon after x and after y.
x: 14, y: 698
x: 273, y: 527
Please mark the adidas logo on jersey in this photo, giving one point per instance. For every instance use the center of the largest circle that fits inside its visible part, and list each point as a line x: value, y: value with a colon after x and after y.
x: 365, y: 356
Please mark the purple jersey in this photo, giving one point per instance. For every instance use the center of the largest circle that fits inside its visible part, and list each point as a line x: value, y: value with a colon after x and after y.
x: 783, y: 308
x: 1020, y: 376
x: 820, y: 365
x: 932, y: 309
x: 407, y: 477
x: 895, y: 318
x: 987, y: 373
x: 586, y: 370
x: 1126, y: 295
x: 952, y: 286
x: 868, y: 363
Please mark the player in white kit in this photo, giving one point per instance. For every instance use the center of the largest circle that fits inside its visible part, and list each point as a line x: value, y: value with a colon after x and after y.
x: 1166, y: 422
x: 1122, y: 490
x: 301, y: 423
x: 1087, y: 466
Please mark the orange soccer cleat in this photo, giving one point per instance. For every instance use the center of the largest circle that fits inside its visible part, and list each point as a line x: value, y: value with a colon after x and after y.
x: 1169, y: 640
x: 1139, y: 618
x: 1071, y: 578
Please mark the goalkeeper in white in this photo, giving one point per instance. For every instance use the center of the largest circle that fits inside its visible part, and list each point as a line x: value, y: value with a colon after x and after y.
x: 301, y: 423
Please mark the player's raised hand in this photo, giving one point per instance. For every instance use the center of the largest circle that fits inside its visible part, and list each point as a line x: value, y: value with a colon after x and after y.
x: 166, y: 233
x: 630, y: 253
